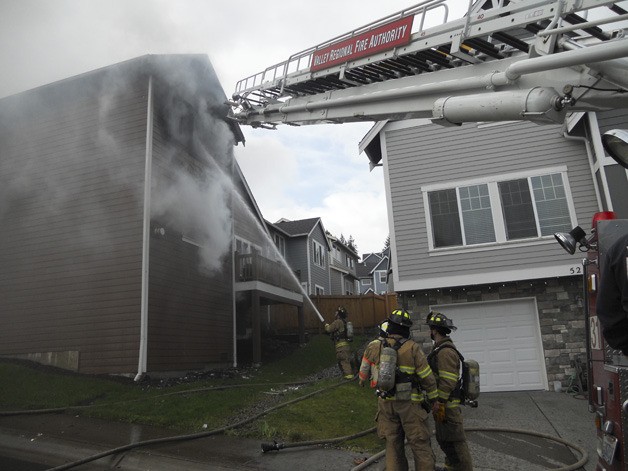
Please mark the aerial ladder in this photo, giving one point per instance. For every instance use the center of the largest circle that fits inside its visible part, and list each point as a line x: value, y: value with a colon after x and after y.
x: 505, y: 59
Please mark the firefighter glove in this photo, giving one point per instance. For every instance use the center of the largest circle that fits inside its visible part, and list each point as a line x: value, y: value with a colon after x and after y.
x: 438, y: 409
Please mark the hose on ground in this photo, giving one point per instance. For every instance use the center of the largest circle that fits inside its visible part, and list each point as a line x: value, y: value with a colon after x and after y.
x: 60, y: 410
x: 193, y: 436
x: 328, y: 441
x: 572, y: 467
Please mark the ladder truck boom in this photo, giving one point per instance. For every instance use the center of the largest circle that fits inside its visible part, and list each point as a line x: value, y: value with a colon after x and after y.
x: 523, y: 59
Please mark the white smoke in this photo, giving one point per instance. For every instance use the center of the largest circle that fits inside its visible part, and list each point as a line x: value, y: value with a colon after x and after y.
x: 200, y: 209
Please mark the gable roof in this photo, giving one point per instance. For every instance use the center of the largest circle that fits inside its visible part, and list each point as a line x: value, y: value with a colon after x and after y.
x: 302, y: 228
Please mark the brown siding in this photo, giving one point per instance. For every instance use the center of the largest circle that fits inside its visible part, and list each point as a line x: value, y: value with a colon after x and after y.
x: 190, y: 323
x: 71, y: 176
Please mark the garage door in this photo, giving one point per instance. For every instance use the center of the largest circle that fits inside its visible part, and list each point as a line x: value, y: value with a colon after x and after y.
x: 504, y: 337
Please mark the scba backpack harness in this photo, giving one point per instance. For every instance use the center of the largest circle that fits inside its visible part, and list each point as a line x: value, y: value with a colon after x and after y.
x: 468, y: 386
x: 390, y: 377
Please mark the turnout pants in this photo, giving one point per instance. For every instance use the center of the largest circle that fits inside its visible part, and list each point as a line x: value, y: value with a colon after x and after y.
x: 343, y: 355
x: 399, y: 420
x: 452, y: 440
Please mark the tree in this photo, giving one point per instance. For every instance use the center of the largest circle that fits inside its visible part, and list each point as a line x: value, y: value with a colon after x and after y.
x: 386, y: 243
x: 352, y: 245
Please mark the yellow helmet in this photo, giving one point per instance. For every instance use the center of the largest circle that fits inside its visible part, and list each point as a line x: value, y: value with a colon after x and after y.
x: 438, y: 319
x: 400, y: 317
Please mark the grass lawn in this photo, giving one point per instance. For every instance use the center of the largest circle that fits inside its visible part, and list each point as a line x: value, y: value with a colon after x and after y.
x: 337, y: 411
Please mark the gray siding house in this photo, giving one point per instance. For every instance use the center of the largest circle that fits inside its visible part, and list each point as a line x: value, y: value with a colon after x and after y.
x: 342, y: 267
x: 373, y: 272
x: 120, y: 205
x: 472, y: 213
x: 307, y: 252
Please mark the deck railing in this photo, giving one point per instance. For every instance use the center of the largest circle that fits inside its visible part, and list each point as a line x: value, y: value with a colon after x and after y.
x: 255, y: 267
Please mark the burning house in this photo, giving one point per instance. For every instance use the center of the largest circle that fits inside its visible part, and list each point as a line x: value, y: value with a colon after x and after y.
x: 120, y: 205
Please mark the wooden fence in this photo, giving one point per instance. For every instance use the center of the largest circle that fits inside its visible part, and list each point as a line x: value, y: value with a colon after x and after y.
x: 365, y: 312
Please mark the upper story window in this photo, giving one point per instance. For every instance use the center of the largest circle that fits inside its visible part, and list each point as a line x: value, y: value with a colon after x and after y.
x: 319, y: 254
x: 366, y: 282
x: 382, y: 276
x: 349, y: 261
x: 336, y: 252
x: 280, y: 243
x: 499, y: 209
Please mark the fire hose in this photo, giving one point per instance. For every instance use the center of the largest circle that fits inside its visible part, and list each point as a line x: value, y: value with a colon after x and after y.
x: 572, y: 467
x: 193, y: 436
x: 278, y: 446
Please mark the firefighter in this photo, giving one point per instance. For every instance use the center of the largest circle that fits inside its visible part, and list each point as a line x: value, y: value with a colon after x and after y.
x: 368, y: 369
x: 402, y: 410
x: 445, y: 363
x: 337, y: 331
x: 612, y: 298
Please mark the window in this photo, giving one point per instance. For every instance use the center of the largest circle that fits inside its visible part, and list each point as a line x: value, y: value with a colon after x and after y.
x: 366, y: 282
x: 319, y: 254
x: 336, y: 252
x: 382, y: 276
x: 319, y: 290
x: 280, y: 242
x: 349, y: 261
x: 499, y: 210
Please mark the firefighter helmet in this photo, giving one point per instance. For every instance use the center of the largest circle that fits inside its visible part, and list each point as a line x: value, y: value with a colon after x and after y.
x: 400, y: 317
x: 438, y: 319
x: 341, y: 312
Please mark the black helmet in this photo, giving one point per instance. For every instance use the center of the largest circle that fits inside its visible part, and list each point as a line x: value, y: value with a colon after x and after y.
x: 437, y: 319
x: 341, y: 312
x: 400, y: 317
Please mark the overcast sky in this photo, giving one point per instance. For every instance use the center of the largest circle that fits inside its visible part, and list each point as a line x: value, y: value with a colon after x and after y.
x: 294, y: 173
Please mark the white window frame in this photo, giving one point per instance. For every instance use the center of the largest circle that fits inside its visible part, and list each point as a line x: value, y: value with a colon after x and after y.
x: 337, y: 254
x: 382, y: 276
x: 349, y: 261
x: 280, y: 243
x: 366, y: 282
x: 319, y: 252
x: 319, y: 290
x: 496, y: 209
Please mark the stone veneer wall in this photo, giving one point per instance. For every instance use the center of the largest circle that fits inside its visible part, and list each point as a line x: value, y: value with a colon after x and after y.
x: 560, y: 309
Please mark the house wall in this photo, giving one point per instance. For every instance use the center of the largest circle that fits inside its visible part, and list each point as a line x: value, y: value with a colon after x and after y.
x: 336, y: 282
x: 297, y: 257
x: 560, y: 311
x: 190, y: 318
x: 421, y: 155
x: 71, y: 175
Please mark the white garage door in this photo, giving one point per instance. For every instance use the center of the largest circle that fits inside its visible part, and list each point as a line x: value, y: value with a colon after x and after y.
x: 504, y: 338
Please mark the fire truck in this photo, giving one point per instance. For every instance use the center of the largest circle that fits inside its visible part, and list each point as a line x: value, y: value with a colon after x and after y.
x: 504, y: 60
x: 607, y: 369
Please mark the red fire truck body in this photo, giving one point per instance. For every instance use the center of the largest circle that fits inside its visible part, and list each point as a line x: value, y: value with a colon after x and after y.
x: 607, y: 368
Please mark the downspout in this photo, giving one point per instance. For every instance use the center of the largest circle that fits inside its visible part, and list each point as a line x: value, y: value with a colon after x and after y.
x: 233, y: 270
x: 148, y: 163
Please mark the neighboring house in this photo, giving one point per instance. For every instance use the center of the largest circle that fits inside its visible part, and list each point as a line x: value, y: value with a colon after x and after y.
x: 373, y: 272
x: 307, y: 252
x: 473, y: 214
x: 121, y: 210
x: 342, y: 267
